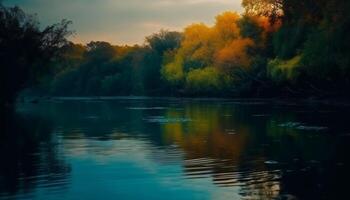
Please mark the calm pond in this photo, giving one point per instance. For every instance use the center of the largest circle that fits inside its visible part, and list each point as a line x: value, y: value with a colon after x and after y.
x: 149, y: 148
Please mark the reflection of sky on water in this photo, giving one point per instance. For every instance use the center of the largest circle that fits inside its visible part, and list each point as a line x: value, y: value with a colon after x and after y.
x: 188, y: 149
x: 131, y: 168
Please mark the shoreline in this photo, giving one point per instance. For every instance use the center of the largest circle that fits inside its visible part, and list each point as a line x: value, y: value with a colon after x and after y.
x: 274, y: 100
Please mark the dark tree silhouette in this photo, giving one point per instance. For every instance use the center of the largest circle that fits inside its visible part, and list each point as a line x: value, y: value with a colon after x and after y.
x: 25, y: 50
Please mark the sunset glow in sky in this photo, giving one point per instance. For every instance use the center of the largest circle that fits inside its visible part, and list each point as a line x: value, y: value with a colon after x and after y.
x: 125, y: 21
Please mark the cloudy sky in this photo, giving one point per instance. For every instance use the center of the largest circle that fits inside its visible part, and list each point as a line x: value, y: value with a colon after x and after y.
x: 125, y: 21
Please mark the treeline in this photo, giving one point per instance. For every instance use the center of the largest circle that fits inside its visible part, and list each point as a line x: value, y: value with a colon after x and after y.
x: 100, y: 68
x: 223, y: 60
x: 275, y: 48
x: 310, y: 51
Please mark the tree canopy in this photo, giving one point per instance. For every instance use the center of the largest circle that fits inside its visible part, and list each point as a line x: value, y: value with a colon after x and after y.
x: 274, y: 48
x: 26, y: 50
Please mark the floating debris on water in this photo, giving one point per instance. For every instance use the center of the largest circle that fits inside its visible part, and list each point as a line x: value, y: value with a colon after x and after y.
x: 312, y: 128
x: 146, y: 108
x: 271, y: 162
x: 290, y: 124
x: 301, y: 126
x: 162, y: 119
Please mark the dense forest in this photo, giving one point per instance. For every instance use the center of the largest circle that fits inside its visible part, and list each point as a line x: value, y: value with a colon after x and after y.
x: 276, y: 48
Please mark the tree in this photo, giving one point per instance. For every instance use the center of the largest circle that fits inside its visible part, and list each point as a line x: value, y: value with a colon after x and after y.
x: 164, y: 41
x: 157, y: 46
x: 25, y: 50
x: 268, y: 8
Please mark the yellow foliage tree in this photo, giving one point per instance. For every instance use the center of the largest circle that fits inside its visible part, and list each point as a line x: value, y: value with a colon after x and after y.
x: 205, y: 52
x: 234, y: 55
x: 206, y: 79
x: 173, y: 71
x: 197, y: 42
x: 226, y: 26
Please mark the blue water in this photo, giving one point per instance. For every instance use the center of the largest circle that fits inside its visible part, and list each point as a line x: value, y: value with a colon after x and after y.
x: 149, y: 148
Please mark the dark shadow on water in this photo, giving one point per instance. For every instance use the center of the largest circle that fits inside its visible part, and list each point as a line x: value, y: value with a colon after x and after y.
x: 248, y: 146
x: 267, y: 151
x: 28, y: 155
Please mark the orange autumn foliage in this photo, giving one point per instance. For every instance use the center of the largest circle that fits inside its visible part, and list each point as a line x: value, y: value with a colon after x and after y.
x: 216, y: 51
x: 202, y: 43
x: 234, y: 55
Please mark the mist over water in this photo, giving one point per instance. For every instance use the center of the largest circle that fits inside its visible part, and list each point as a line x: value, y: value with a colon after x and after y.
x: 159, y: 148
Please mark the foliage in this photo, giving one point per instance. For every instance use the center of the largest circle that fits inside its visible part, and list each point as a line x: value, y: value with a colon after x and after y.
x: 164, y: 41
x: 100, y: 68
x: 206, y: 80
x: 269, y: 8
x: 25, y: 50
x: 220, y: 51
x: 284, y: 70
x: 275, y: 48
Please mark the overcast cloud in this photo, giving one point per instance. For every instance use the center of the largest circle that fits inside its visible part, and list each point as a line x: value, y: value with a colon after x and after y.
x: 125, y: 21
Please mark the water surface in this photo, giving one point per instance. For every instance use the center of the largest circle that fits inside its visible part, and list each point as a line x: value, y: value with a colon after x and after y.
x: 147, y: 148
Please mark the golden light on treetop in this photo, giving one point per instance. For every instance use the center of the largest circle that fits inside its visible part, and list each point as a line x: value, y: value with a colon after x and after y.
x: 267, y: 8
x: 206, y: 53
x: 226, y: 25
x: 197, y: 43
x: 234, y: 55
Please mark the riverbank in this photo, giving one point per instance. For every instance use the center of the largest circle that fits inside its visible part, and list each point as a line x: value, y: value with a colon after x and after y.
x: 286, y: 101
